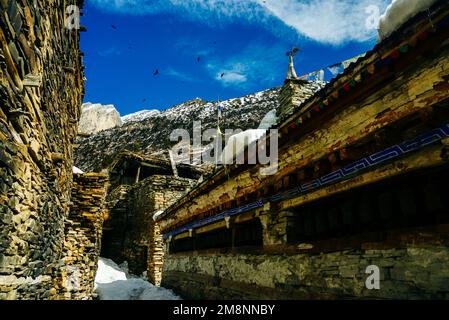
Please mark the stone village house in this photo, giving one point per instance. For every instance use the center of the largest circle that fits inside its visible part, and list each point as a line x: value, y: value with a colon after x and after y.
x: 140, y: 187
x: 363, y: 166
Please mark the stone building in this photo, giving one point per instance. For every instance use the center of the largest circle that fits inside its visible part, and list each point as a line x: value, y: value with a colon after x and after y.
x: 361, y: 185
x: 141, y: 186
x: 41, y: 91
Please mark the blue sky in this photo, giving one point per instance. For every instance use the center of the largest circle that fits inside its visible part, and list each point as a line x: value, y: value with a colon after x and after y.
x: 246, y: 40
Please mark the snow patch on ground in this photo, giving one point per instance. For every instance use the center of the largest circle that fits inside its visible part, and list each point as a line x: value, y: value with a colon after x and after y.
x: 113, y: 283
x: 399, y: 12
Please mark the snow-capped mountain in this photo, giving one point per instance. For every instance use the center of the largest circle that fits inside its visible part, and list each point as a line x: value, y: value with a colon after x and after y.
x: 151, y: 134
x: 96, y: 117
x: 140, y: 116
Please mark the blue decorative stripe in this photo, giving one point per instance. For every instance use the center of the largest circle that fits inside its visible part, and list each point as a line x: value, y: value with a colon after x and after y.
x: 332, y: 178
x: 385, y: 155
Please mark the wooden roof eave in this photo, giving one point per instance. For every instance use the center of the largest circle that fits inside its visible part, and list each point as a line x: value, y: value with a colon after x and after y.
x: 374, y: 55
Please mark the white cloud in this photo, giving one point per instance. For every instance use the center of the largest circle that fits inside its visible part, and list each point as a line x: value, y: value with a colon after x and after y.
x: 229, y: 74
x: 255, y: 64
x: 194, y: 47
x: 230, y: 77
x: 179, y: 75
x: 327, y: 21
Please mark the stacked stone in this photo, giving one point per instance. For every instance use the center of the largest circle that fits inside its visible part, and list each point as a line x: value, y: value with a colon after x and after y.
x: 416, y: 268
x: 293, y: 94
x: 132, y: 235
x: 115, y: 223
x: 155, y: 255
x: 41, y: 88
x: 83, y: 231
x: 276, y: 227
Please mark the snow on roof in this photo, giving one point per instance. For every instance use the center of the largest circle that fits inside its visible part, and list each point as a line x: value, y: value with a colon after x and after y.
x: 157, y: 214
x: 77, y: 170
x: 238, y: 142
x: 269, y: 120
x: 399, y: 12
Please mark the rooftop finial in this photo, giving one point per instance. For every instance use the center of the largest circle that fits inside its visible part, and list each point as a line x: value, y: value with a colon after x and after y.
x: 291, y: 68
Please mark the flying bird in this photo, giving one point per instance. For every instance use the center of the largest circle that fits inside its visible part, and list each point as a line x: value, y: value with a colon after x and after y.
x: 198, y: 59
x: 113, y: 26
x: 156, y: 72
x: 222, y: 75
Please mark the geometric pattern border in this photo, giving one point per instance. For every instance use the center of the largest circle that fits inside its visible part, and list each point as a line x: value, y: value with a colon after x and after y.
x: 345, y: 173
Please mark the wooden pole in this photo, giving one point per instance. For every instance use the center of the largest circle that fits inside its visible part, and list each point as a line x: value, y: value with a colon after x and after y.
x: 173, y: 164
x: 138, y: 174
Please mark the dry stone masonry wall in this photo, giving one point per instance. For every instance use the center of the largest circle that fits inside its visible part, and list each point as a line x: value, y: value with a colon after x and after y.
x: 83, y: 231
x: 407, y: 271
x: 41, y: 88
x: 133, y: 235
x: 130, y: 233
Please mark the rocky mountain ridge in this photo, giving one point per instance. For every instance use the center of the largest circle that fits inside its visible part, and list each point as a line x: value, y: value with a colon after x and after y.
x: 96, y: 117
x: 150, y: 135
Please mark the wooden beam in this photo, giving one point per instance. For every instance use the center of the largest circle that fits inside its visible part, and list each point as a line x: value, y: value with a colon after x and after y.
x: 221, y: 224
x: 181, y: 236
x: 425, y: 159
x: 211, y: 227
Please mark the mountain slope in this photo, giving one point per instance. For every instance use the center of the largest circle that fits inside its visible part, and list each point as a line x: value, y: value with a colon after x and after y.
x: 152, y: 134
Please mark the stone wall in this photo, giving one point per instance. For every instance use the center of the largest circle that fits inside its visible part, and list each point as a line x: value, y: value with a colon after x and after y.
x: 41, y: 88
x: 143, y: 245
x: 155, y: 261
x: 83, y: 231
x: 115, y: 224
x: 413, y: 265
x: 130, y: 232
x: 293, y: 93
